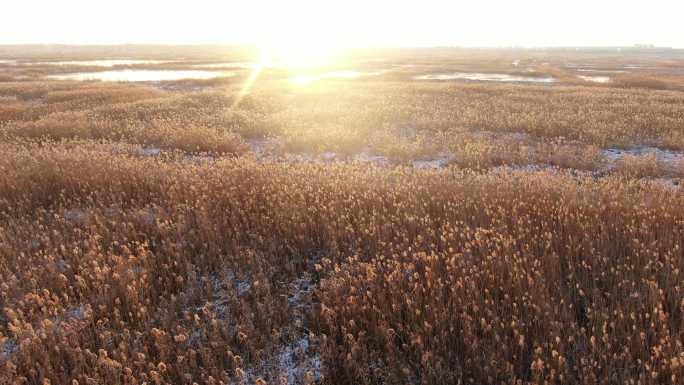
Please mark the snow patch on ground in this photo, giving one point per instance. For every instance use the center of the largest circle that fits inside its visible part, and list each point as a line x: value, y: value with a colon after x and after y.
x: 268, y: 150
x: 225, y: 285
x: 670, y: 160
x: 669, y: 183
x: 367, y: 157
x: 297, y: 362
x: 243, y: 287
x: 77, y: 313
x: 442, y: 160
x: 76, y: 216
x: 538, y: 167
x: 149, y: 151
x: 668, y: 156
x: 506, y: 169
x: 8, y: 349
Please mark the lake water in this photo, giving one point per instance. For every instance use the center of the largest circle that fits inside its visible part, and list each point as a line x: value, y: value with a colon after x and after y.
x: 133, y: 75
x: 244, y: 65
x: 486, y: 77
x: 105, y: 62
x: 639, y: 67
x: 596, y: 79
x: 601, y: 71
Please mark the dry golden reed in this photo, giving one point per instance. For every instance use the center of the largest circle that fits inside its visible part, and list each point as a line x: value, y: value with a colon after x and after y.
x: 142, y: 241
x: 119, y: 269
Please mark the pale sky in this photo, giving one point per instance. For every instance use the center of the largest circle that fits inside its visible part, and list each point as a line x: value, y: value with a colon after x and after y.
x: 346, y: 23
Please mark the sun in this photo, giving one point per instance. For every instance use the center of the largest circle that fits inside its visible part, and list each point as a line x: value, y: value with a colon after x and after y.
x: 299, y: 53
x: 301, y: 39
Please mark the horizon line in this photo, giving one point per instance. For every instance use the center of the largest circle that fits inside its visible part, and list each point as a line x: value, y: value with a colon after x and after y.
x: 442, y: 46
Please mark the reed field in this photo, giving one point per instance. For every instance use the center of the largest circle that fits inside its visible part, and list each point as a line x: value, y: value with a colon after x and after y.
x: 405, y: 217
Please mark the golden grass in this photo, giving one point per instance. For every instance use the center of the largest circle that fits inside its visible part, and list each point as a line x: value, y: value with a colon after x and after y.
x: 111, y: 263
x: 650, y: 81
x: 357, y: 115
x: 123, y: 265
x: 649, y: 166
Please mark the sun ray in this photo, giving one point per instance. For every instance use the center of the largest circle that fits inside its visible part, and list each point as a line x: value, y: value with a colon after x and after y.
x: 249, y: 82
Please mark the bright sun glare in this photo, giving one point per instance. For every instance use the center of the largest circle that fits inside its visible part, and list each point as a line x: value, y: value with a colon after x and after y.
x: 301, y: 36
x: 298, y: 54
x: 300, y: 51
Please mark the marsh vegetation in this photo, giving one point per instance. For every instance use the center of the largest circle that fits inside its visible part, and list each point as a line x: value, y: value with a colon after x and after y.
x: 380, y: 229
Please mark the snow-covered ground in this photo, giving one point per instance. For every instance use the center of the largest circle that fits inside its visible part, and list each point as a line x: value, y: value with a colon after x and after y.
x: 441, y: 160
x: 667, y: 156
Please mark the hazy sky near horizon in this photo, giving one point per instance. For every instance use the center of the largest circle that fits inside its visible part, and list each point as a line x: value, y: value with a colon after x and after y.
x: 346, y: 23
